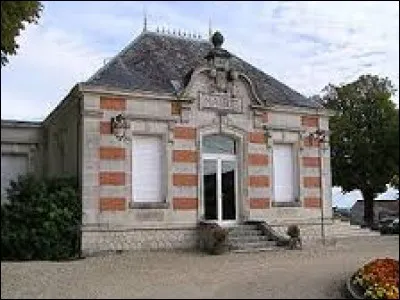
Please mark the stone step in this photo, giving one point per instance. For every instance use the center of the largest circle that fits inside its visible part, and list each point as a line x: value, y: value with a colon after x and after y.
x: 351, y: 236
x: 350, y: 227
x: 239, y: 232
x: 244, y: 227
x: 353, y: 230
x: 253, y: 250
x: 247, y: 245
x: 347, y: 225
x: 355, y: 234
x: 248, y: 238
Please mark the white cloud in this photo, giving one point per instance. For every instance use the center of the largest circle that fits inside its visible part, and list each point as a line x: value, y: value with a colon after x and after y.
x: 48, y: 64
x: 341, y: 199
x: 303, y: 44
x: 338, y: 32
x: 390, y: 194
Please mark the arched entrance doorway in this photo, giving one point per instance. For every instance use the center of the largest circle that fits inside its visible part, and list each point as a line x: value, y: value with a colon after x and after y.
x: 219, y: 178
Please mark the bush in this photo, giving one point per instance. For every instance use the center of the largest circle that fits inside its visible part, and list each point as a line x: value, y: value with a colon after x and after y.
x: 41, y: 219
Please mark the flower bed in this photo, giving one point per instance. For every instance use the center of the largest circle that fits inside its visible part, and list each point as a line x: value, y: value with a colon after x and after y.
x: 379, y: 279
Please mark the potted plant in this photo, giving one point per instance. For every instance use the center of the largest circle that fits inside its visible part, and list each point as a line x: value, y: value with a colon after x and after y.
x: 293, y: 232
x: 213, y: 238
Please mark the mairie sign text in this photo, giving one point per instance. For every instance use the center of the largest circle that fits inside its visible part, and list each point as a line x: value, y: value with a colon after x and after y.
x: 220, y: 101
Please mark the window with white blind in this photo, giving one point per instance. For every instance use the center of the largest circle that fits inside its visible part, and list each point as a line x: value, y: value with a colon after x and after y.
x: 285, y: 184
x: 147, y: 169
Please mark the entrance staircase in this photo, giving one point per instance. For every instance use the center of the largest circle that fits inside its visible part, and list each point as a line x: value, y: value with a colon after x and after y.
x: 250, y: 238
x: 255, y: 237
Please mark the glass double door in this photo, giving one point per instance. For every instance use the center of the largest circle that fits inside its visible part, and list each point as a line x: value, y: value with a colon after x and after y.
x: 219, y: 187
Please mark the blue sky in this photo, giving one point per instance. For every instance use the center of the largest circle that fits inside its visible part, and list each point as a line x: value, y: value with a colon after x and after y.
x: 303, y: 44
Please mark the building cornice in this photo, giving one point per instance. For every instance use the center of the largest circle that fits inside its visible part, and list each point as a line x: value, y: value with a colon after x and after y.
x: 295, y: 110
x: 129, y: 93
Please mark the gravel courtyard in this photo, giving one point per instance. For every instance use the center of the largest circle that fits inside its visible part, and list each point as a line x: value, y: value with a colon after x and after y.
x: 314, y: 272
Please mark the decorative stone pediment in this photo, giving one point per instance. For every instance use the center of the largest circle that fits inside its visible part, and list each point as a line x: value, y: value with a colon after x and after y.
x: 218, y: 86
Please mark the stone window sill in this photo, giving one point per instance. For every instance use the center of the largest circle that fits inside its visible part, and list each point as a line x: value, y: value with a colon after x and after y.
x: 145, y: 205
x: 286, y: 204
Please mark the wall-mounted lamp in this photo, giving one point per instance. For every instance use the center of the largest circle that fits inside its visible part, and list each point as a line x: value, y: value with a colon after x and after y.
x: 119, y: 127
x: 321, y: 136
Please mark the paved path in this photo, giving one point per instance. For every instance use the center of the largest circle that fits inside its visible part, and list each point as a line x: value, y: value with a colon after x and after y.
x: 310, y: 273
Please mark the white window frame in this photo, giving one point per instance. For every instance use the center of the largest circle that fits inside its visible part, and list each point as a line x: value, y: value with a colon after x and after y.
x: 219, y: 159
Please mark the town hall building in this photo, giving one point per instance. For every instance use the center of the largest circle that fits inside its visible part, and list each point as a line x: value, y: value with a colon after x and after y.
x: 177, y: 130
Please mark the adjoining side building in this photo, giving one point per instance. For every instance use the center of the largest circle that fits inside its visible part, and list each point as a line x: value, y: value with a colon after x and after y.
x: 382, y: 209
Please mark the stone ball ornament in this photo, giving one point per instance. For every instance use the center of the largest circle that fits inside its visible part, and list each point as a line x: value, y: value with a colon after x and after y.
x: 217, y: 39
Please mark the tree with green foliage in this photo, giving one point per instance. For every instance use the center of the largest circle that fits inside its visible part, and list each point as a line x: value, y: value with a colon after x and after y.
x: 14, y: 16
x: 364, y: 137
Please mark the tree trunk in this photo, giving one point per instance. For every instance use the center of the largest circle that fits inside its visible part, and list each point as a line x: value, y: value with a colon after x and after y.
x: 368, y: 207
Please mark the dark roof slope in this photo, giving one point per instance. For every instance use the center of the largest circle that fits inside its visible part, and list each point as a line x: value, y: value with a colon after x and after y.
x: 158, y: 62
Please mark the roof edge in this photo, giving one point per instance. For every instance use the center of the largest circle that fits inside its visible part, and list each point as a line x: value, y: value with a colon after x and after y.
x: 8, y: 123
x: 61, y: 104
x: 98, y: 89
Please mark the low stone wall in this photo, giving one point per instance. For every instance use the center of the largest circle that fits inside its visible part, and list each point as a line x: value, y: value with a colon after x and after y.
x: 95, y: 241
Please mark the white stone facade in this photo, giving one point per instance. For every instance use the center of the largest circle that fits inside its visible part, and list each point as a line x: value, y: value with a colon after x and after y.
x: 181, y: 134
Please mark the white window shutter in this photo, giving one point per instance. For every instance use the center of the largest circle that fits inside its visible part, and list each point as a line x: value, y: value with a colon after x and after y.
x: 147, y: 161
x: 283, y: 165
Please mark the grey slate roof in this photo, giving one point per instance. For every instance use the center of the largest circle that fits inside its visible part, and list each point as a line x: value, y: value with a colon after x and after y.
x: 160, y: 63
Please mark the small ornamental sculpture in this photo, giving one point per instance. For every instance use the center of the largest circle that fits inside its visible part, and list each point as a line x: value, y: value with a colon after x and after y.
x: 321, y: 136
